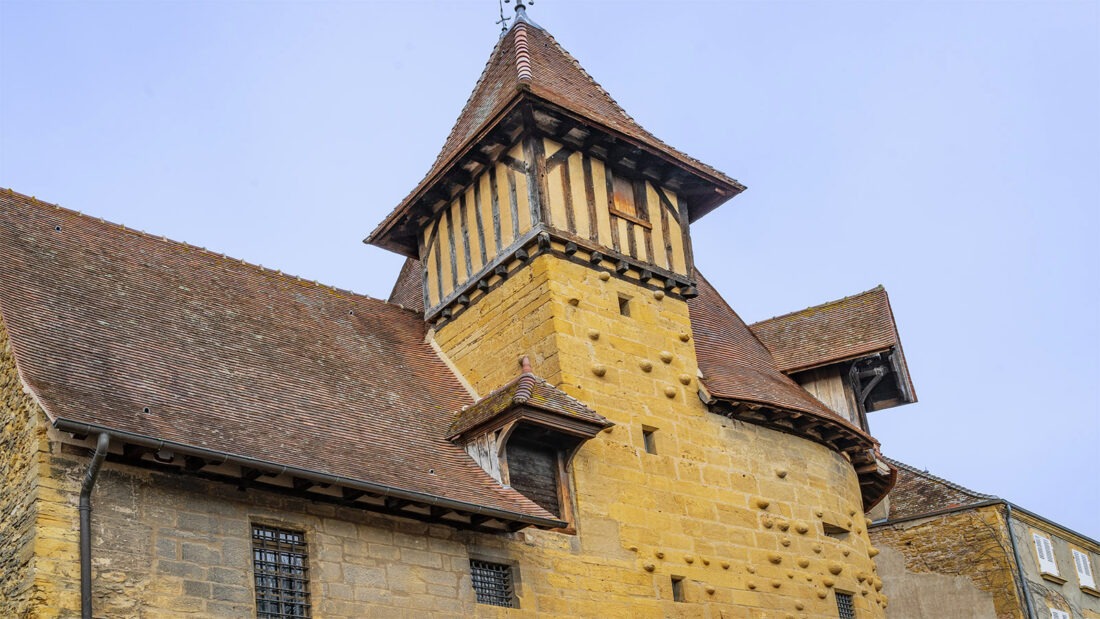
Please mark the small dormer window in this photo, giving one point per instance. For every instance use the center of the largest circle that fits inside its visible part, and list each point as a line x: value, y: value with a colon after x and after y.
x: 524, y: 435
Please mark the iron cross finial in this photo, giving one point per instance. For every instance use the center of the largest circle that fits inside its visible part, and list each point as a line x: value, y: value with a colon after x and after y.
x: 503, y: 21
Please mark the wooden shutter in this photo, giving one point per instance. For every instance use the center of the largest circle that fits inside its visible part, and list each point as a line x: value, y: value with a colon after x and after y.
x: 533, y: 472
x: 1084, y: 569
x: 1045, y: 550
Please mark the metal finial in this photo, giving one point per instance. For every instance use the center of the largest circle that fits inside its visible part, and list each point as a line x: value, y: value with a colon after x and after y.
x: 521, y: 7
x: 503, y: 20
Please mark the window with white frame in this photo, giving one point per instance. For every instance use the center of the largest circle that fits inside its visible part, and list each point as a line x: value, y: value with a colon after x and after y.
x: 1045, y: 551
x: 1059, y: 614
x: 1084, y: 569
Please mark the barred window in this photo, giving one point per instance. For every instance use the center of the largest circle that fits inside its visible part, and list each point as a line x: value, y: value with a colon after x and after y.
x: 281, y: 567
x: 844, y: 607
x: 493, y: 583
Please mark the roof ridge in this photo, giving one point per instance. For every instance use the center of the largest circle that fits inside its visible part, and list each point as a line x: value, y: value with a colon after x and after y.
x: 562, y: 391
x: 469, y: 99
x: 621, y: 109
x: 821, y: 305
x: 927, y: 475
x: 592, y: 80
x: 279, y: 273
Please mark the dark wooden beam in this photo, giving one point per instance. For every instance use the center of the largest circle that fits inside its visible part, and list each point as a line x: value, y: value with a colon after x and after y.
x: 133, y: 453
x: 193, y: 463
x: 395, y: 504
x: 351, y: 495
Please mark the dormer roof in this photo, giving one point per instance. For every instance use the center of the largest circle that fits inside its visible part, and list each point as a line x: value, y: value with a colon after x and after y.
x: 836, y: 332
x: 843, y: 329
x: 530, y: 392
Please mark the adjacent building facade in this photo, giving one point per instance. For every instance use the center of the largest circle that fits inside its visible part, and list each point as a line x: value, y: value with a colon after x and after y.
x: 555, y: 414
x: 947, y: 551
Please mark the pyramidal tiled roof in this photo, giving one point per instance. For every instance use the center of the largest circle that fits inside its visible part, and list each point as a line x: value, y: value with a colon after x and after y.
x: 527, y: 59
x: 138, y: 334
x: 843, y: 329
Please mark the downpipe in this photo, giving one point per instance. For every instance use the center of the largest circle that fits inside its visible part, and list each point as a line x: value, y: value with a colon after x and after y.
x: 1019, y: 566
x: 86, y: 524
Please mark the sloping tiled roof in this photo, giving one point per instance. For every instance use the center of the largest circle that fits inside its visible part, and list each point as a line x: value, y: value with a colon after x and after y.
x: 408, y: 290
x: 736, y: 366
x: 540, y: 66
x: 919, y: 492
x: 528, y: 390
x: 139, y: 334
x: 850, y: 327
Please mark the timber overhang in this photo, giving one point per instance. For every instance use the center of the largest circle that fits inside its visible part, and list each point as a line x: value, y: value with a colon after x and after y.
x: 542, y: 239
x: 527, y: 114
x: 253, y: 473
x: 876, y: 475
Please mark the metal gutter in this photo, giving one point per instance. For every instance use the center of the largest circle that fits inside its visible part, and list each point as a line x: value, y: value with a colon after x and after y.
x: 1026, y: 592
x: 220, y: 457
x: 102, y: 444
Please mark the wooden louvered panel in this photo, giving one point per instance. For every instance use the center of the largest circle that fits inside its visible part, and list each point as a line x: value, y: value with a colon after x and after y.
x: 533, y: 472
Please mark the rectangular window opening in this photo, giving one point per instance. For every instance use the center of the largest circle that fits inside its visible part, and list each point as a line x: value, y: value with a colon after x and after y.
x: 677, y: 588
x: 624, y: 305
x: 281, y: 568
x: 533, y: 470
x: 1045, y: 551
x: 649, y: 440
x: 845, y: 609
x: 1084, y: 569
x: 493, y: 583
x: 623, y: 196
x: 835, y: 531
x: 1058, y: 614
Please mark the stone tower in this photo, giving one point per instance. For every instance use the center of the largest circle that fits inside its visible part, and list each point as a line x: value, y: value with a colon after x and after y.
x: 553, y: 229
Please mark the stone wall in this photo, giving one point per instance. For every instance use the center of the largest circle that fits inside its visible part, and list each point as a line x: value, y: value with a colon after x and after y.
x: 928, y: 595
x: 19, y: 438
x: 736, y: 510
x: 972, y: 544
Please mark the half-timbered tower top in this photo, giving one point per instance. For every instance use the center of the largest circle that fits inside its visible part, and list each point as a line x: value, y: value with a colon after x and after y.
x: 542, y: 150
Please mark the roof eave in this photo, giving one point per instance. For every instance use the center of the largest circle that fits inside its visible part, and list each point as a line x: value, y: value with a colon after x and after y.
x: 82, y: 428
x: 379, y: 236
x: 725, y: 188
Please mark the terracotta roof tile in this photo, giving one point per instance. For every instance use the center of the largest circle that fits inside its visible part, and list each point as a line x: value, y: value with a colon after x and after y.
x: 529, y: 390
x: 919, y: 492
x: 121, y: 329
x: 408, y: 289
x: 844, y: 329
x: 736, y: 366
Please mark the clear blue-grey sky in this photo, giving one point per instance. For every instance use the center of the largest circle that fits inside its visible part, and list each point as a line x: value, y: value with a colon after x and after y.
x: 948, y: 150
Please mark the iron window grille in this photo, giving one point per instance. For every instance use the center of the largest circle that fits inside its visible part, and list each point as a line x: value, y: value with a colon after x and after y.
x: 493, y: 583
x: 844, y: 607
x: 281, y: 567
